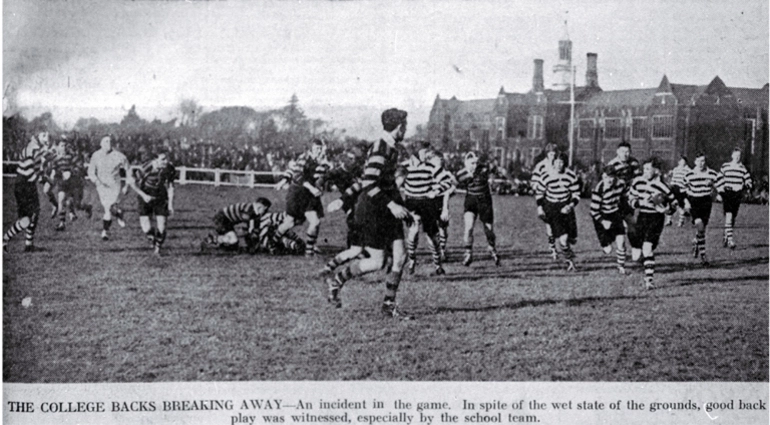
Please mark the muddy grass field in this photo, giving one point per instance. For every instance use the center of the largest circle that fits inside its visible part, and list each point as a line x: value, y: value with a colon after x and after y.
x: 113, y: 312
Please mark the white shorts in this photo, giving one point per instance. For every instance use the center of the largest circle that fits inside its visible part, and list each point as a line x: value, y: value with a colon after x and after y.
x: 108, y: 195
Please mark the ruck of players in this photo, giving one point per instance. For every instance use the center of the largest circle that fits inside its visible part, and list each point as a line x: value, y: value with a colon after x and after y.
x: 394, y: 197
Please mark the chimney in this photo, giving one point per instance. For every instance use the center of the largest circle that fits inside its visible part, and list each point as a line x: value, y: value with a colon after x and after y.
x: 592, y: 76
x: 537, y: 80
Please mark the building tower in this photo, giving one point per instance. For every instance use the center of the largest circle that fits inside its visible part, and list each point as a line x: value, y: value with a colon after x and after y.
x: 563, y: 69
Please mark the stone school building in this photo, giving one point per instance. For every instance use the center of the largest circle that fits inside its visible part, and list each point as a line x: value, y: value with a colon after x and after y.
x: 668, y: 121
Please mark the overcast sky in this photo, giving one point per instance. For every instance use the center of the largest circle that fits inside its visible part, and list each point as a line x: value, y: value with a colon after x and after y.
x: 375, y: 53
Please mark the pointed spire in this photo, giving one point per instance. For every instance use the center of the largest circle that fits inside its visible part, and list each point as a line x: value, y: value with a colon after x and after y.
x: 502, y: 90
x: 565, y: 35
x: 664, y: 86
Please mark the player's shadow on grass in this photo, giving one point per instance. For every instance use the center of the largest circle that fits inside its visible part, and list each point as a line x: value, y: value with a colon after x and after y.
x: 694, y: 264
x: 569, y: 302
x: 731, y: 279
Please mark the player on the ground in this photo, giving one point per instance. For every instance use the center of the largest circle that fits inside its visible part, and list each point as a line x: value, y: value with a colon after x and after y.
x: 700, y: 184
x: 679, y: 189
x: 226, y: 220
x: 305, y: 178
x: 653, y: 198
x: 734, y: 180
x: 263, y: 239
x: 627, y: 169
x: 474, y: 177
x: 380, y: 211
x: 545, y: 165
x: 28, y: 174
x: 557, y: 194
x: 605, y: 212
x: 155, y: 185
x: 420, y: 185
x: 104, y: 170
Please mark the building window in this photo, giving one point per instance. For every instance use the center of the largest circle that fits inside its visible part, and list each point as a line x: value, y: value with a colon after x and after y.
x: 586, y: 129
x: 535, y: 127
x: 500, y: 127
x: 662, y: 127
x: 639, y: 128
x: 612, y: 128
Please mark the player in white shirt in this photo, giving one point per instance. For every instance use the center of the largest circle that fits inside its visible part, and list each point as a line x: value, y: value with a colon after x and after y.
x: 104, y: 171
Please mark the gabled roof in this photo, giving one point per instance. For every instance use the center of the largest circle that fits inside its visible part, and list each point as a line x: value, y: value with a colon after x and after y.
x: 475, y: 107
x: 750, y: 97
x: 622, y: 98
x: 685, y: 93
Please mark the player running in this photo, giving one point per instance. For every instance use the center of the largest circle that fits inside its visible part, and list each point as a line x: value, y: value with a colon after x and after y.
x: 305, y: 178
x: 542, y: 167
x: 104, y: 170
x: 734, y: 180
x: 154, y: 182
x: 445, y: 188
x: 652, y: 198
x: 605, y: 212
x: 679, y: 190
x: 61, y: 173
x: 228, y: 218
x: 700, y: 184
x: 474, y: 177
x: 420, y: 184
x: 627, y: 169
x: 379, y: 212
x: 557, y: 194
x: 28, y: 174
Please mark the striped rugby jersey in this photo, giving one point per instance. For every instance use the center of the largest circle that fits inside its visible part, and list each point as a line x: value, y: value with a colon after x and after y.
x: 419, y: 178
x: 700, y: 183
x: 541, y: 168
x: 154, y: 181
x: 268, y: 224
x: 556, y: 187
x: 477, y: 184
x: 443, y: 181
x: 307, y: 169
x: 379, y: 178
x: 606, y: 200
x: 31, y: 162
x: 63, y: 164
x: 242, y: 212
x: 678, y: 174
x: 641, y: 191
x: 733, y: 177
x: 626, y: 170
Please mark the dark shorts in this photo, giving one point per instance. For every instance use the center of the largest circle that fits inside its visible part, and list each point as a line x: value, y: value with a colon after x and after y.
x: 700, y: 208
x: 299, y: 200
x: 649, y: 227
x: 481, y: 207
x: 679, y: 195
x: 354, y: 236
x: 731, y: 202
x: 27, y: 201
x: 156, y: 207
x: 607, y: 236
x: 561, y: 224
x: 222, y: 224
x: 378, y: 228
x: 429, y: 211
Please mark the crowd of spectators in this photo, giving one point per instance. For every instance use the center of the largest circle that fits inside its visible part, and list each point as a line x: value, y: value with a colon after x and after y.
x: 275, y: 158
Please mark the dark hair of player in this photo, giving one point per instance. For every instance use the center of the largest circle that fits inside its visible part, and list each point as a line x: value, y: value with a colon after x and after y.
x: 264, y: 201
x: 392, y: 118
x: 654, y: 161
x: 624, y: 144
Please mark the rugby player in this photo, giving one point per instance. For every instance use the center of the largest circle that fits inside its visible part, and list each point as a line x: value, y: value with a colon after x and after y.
x: 734, y: 180
x: 104, y: 170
